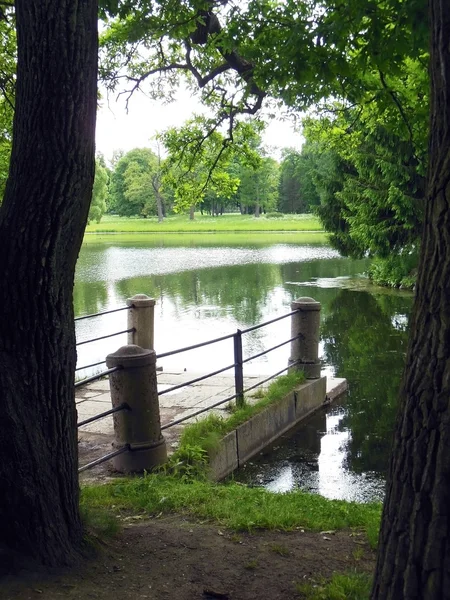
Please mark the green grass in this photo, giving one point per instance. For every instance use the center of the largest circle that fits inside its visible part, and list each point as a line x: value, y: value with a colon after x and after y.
x: 206, y: 223
x: 208, y: 240
x: 231, y: 505
x: 351, y: 586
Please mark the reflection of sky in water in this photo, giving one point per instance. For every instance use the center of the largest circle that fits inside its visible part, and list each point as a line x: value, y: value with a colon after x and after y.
x: 314, y: 460
x: 122, y: 263
x: 179, y: 323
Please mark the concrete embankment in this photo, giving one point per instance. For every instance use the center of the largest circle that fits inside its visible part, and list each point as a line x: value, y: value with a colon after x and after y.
x: 259, y: 431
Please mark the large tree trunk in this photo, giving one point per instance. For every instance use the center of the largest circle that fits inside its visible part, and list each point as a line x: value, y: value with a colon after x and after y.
x: 414, y: 549
x: 42, y: 221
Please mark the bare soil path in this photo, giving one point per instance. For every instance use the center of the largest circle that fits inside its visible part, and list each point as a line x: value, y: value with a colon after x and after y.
x: 172, y: 558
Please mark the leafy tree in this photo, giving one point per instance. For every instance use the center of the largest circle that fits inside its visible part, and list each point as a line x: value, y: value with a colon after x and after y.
x: 258, y: 188
x: 368, y: 167
x: 99, y: 193
x: 133, y: 184
x: 200, y: 158
x: 297, y: 191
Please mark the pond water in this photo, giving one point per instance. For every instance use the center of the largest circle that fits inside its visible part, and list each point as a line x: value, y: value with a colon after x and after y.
x: 208, y: 286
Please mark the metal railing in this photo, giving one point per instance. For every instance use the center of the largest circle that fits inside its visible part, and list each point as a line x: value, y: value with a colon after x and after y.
x: 237, y: 365
x: 96, y: 339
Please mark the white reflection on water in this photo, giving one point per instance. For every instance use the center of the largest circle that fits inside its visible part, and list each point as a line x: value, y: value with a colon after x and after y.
x: 315, y: 465
x: 123, y: 263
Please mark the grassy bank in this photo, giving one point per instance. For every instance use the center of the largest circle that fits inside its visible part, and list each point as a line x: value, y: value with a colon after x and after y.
x: 231, y: 505
x: 205, y: 223
x: 182, y: 488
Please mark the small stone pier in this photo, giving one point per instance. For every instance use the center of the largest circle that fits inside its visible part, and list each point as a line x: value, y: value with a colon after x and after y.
x: 96, y: 439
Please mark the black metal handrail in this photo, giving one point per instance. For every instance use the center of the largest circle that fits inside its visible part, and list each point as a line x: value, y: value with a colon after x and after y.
x: 220, y: 402
x: 105, y: 458
x: 98, y: 376
x: 254, y: 327
x: 102, y: 362
x: 123, y: 406
x: 103, y: 337
x: 186, y: 348
x: 196, y: 380
x: 239, y: 361
x: 105, y: 312
x: 297, y: 337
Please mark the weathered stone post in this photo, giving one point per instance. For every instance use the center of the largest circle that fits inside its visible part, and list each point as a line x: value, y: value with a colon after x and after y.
x: 135, y: 385
x: 141, y: 319
x: 305, y: 323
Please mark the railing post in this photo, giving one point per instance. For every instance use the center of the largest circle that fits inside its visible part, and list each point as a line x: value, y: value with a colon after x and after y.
x: 141, y: 319
x: 305, y: 325
x: 140, y: 427
x: 238, y: 371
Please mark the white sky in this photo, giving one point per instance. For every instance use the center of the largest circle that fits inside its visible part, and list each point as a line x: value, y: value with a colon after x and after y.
x: 119, y: 130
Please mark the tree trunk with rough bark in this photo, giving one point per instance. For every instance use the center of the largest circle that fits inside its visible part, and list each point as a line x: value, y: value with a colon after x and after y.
x: 42, y: 221
x: 192, y: 212
x: 414, y: 546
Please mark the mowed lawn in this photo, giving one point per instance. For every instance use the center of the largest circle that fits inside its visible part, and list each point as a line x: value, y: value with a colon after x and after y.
x: 205, y: 223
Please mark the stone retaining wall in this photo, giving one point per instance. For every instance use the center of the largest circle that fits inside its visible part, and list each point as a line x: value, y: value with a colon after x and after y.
x: 259, y: 431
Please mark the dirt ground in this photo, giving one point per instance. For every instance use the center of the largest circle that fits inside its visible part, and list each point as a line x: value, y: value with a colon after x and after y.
x: 172, y: 558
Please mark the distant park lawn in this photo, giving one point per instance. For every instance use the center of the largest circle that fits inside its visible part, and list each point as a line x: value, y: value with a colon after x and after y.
x: 206, y: 223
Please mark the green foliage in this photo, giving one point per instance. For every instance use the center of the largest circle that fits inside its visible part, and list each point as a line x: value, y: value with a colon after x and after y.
x: 188, y: 462
x: 98, y: 521
x: 7, y: 94
x: 133, y: 182
x: 199, y: 157
x: 398, y: 270
x: 99, y: 193
x: 368, y: 167
x: 364, y: 161
x: 349, y: 586
x: 297, y: 192
x: 258, y: 189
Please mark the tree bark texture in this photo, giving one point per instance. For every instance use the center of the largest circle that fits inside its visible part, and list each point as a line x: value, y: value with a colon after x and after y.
x: 414, y: 546
x: 42, y: 221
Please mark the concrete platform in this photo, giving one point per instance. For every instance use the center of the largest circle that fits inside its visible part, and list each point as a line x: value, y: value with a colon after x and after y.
x: 92, y: 399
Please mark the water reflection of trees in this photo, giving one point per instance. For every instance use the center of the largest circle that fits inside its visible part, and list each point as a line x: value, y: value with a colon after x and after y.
x: 363, y: 340
x: 89, y: 297
x: 239, y: 291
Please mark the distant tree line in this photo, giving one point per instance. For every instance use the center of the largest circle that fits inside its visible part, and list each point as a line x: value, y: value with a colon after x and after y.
x: 140, y: 183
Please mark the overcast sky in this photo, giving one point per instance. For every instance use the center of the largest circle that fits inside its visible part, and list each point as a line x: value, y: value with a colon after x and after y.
x: 119, y: 130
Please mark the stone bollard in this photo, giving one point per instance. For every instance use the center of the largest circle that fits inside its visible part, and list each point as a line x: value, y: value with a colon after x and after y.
x: 135, y: 384
x: 305, y: 349
x: 141, y: 318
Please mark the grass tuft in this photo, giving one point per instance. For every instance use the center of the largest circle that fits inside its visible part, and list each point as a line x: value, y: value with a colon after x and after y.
x: 350, y: 586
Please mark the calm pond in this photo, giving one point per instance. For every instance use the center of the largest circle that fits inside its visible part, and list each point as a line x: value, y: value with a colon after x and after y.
x: 209, y: 286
